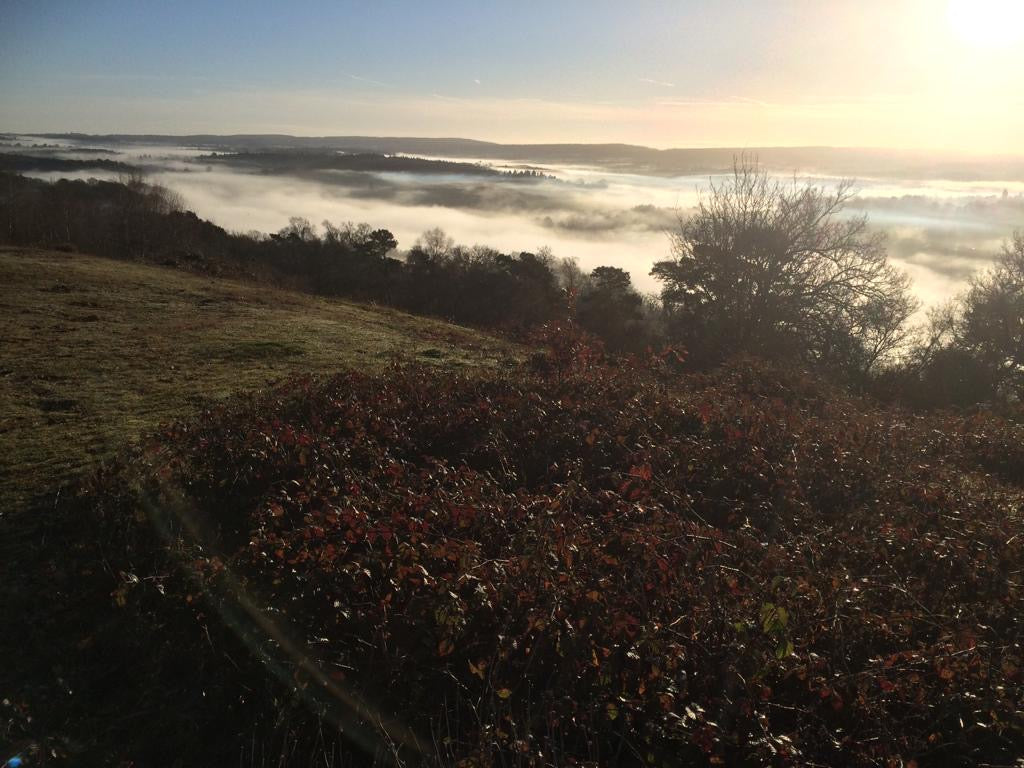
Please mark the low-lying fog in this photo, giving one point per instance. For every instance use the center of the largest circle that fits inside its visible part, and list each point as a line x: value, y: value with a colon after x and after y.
x: 940, y: 232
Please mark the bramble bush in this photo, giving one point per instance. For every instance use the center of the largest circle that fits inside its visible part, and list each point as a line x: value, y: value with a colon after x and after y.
x: 569, y: 563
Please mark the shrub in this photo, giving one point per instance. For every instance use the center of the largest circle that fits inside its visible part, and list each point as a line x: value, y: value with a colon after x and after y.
x: 588, y: 565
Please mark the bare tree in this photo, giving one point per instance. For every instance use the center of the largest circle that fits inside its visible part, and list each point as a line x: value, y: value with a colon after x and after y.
x: 436, y: 244
x: 141, y: 206
x: 570, y: 276
x: 776, y: 269
x: 298, y: 228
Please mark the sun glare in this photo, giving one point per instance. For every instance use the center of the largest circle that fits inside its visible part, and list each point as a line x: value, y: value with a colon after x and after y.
x: 987, y: 23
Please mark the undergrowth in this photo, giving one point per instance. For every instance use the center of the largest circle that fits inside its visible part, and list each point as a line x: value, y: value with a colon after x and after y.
x: 579, y: 563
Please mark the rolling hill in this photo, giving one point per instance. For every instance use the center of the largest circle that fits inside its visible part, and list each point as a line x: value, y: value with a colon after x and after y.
x: 96, y: 352
x: 860, y: 162
x: 472, y: 562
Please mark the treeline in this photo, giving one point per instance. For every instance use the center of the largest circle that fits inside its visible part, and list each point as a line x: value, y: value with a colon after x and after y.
x: 310, y: 160
x: 16, y: 163
x: 780, y: 271
x: 511, y: 293
x: 528, y: 173
x: 762, y: 268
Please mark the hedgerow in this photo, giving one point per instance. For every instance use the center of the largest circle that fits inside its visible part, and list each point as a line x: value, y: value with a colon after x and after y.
x: 571, y: 563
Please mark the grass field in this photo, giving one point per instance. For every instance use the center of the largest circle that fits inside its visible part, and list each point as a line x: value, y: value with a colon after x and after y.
x: 95, y: 352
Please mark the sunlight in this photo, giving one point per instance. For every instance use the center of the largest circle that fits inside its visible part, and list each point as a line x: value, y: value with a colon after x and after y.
x: 987, y: 23
x: 500, y: 385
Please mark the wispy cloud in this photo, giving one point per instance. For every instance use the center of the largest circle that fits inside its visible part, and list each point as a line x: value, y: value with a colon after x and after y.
x: 476, y: 80
x: 651, y: 81
x: 369, y: 80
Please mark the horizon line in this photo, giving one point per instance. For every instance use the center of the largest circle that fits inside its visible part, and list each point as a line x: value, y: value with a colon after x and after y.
x: 448, y: 138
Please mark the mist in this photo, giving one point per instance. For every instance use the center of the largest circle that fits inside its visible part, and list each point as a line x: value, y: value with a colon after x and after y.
x: 940, y: 231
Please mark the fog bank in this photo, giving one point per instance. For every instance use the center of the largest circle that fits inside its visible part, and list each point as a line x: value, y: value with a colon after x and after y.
x: 940, y: 231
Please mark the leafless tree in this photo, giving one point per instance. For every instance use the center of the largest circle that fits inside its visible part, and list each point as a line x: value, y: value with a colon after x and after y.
x: 436, y: 244
x: 299, y: 228
x: 777, y: 269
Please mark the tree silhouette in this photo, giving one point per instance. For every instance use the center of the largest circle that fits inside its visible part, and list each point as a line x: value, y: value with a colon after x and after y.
x: 610, y: 308
x: 776, y: 269
x: 992, y: 322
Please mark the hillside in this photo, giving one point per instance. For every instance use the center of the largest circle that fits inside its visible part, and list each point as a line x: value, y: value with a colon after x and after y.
x: 297, y: 161
x: 93, y: 352
x: 566, y: 563
x: 845, y: 161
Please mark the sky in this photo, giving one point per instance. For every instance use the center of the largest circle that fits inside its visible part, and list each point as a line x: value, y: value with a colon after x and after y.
x: 923, y: 74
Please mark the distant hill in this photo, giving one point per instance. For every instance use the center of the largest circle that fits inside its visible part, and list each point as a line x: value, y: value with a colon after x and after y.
x: 292, y: 161
x: 845, y: 161
x: 19, y: 163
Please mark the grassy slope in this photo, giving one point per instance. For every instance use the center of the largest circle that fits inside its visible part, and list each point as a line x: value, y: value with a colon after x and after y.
x: 94, y: 352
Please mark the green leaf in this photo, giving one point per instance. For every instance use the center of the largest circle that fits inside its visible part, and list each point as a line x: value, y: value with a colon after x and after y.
x: 784, y: 650
x: 773, y: 618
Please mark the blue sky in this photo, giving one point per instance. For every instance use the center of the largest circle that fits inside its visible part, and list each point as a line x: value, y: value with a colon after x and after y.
x: 747, y: 73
